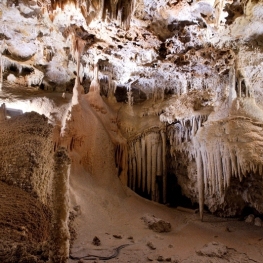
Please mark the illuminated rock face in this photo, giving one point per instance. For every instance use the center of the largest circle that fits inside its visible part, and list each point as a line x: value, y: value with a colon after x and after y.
x: 174, y: 83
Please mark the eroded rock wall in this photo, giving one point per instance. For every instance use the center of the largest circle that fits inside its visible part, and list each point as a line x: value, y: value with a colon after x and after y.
x: 27, y: 154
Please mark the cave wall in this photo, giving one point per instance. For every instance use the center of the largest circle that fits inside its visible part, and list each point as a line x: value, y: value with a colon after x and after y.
x: 27, y: 154
x: 35, y: 170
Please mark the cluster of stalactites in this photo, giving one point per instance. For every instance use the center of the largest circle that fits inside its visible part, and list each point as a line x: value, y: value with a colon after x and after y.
x: 183, y: 130
x: 120, y: 10
x: 147, y: 165
x: 216, y: 164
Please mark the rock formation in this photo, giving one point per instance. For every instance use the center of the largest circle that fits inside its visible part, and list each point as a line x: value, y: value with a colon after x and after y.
x: 158, y: 95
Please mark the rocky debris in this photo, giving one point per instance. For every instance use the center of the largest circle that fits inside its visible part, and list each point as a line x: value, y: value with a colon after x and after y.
x: 258, y: 221
x: 96, y: 241
x: 164, y: 259
x: 151, y: 246
x: 117, y: 236
x: 160, y: 258
x: 156, y: 224
x: 250, y: 219
x: 213, y: 249
x: 215, y: 252
x: 77, y: 210
x: 150, y: 258
x: 227, y: 229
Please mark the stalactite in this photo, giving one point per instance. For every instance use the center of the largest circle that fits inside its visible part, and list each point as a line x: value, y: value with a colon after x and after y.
x: 143, y: 163
x: 139, y: 162
x: 200, y: 178
x: 134, y: 169
x: 120, y: 10
x: 154, y: 166
x: 130, y: 171
x: 164, y: 173
x: 95, y: 85
x: 149, y: 153
x: 121, y: 162
x: 149, y: 161
x: 159, y: 171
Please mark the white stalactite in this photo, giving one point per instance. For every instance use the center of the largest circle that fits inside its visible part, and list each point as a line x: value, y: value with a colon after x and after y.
x: 143, y: 163
x: 139, y: 162
x: 164, y: 173
x: 159, y: 171
x: 154, y: 165
x: 134, y: 168
x: 130, y: 168
x: 200, y: 178
x: 149, y: 161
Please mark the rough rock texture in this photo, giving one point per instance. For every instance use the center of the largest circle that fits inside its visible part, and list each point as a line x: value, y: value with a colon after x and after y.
x: 157, y: 224
x: 24, y: 226
x: 171, y: 89
x: 27, y: 154
x: 34, y: 177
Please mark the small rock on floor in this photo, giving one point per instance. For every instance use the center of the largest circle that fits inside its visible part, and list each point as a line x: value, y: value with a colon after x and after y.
x: 117, y: 236
x: 151, y: 246
x: 258, y: 221
x: 150, y: 258
x: 96, y: 241
x: 157, y: 224
x: 160, y: 258
x: 250, y: 219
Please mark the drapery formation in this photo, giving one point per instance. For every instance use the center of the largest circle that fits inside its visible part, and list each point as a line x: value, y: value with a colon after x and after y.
x: 221, y: 149
x: 147, y: 164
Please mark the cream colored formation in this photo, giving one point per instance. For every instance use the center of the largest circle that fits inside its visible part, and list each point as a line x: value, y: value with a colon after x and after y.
x: 187, y: 76
x: 147, y: 161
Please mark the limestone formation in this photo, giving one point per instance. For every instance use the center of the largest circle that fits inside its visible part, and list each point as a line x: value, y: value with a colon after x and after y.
x: 161, y: 97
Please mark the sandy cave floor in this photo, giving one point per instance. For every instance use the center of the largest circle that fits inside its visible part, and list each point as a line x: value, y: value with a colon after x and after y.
x: 104, y: 213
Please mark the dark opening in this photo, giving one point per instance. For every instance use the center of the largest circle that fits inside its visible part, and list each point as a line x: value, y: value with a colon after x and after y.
x: 174, y: 194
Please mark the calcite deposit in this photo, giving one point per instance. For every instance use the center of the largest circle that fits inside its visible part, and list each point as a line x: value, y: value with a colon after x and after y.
x: 161, y: 97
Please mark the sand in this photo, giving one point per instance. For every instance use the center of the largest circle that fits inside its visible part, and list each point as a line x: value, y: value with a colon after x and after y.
x: 103, y: 214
